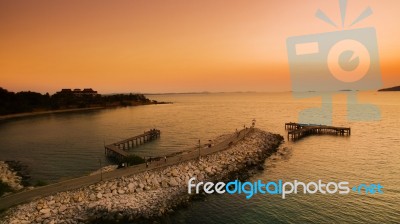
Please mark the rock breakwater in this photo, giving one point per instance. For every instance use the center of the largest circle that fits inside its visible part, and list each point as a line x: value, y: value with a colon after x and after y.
x: 150, y: 194
x: 10, y: 177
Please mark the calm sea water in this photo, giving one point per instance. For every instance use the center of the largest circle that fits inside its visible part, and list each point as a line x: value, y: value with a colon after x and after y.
x: 69, y: 145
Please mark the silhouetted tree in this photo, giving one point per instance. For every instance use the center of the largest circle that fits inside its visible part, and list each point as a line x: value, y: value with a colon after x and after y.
x: 21, y: 102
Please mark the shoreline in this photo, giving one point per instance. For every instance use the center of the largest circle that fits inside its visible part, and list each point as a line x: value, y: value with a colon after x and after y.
x: 32, y: 114
x: 151, y: 194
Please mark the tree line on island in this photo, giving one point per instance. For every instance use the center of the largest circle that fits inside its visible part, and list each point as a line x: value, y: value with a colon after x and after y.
x: 27, y: 101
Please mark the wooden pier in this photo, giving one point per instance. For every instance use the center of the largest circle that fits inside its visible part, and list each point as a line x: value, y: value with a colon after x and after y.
x: 297, y: 131
x: 119, y: 150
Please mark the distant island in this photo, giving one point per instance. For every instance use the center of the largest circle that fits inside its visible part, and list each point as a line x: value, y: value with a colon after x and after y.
x: 396, y: 88
x: 65, y: 100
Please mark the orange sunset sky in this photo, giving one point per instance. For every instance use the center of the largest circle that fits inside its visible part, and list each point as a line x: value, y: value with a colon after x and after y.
x: 171, y: 46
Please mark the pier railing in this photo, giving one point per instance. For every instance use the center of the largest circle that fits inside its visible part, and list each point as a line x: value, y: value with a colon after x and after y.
x: 297, y: 131
x: 119, y: 150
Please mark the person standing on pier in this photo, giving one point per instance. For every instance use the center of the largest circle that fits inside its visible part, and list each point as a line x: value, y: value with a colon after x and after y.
x: 165, y: 159
x: 147, y: 164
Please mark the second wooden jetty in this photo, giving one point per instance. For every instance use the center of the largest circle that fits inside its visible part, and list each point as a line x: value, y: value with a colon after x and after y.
x: 119, y: 150
x: 297, y: 131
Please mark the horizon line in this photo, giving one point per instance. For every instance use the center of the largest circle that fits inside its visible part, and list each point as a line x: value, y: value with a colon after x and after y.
x: 217, y: 92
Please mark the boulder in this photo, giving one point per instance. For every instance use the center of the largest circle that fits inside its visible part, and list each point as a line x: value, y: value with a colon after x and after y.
x: 92, y: 197
x: 131, y: 186
x: 172, y: 182
x: 200, y: 176
x: 45, y: 216
x: 62, y: 208
x: 108, y: 195
x: 154, y: 182
x: 175, y: 173
x: 99, y: 195
x: 51, y: 202
x: 164, y: 184
x: 45, y: 211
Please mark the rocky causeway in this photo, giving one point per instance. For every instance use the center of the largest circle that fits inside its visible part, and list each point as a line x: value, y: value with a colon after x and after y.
x: 150, y: 194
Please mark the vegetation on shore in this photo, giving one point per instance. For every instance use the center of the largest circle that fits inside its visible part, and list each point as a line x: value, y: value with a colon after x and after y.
x: 4, y: 188
x: 27, y: 101
x: 40, y: 183
x: 396, y: 88
x: 134, y: 160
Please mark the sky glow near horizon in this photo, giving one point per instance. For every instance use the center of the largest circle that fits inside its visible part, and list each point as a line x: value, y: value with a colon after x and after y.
x: 172, y: 46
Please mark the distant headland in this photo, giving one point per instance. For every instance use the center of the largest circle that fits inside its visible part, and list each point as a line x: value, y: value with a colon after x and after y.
x: 396, y: 88
x: 27, y: 103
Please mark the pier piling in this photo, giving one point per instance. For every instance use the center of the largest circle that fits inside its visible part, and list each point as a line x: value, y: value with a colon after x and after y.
x: 118, y: 150
x: 297, y: 131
